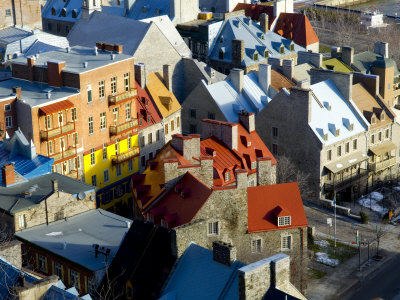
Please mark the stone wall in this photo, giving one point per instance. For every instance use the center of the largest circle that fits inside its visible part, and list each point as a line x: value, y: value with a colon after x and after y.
x: 11, y: 252
x: 21, y: 12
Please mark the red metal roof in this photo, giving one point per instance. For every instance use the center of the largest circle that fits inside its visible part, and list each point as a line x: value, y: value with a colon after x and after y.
x: 263, y: 201
x: 56, y: 107
x: 254, y: 11
x: 143, y: 109
x: 296, y: 27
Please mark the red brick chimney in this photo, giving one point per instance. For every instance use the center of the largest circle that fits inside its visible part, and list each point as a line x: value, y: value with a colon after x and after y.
x: 30, y: 61
x: 17, y: 91
x: 54, y: 73
x: 8, y: 174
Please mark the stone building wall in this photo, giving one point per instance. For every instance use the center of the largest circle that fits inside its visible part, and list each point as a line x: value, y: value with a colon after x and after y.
x: 21, y: 12
x: 11, y: 252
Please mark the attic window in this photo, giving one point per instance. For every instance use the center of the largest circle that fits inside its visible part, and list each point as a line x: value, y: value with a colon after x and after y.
x: 221, y: 54
x: 291, y: 47
x: 351, y: 127
x: 373, y: 120
x: 255, y: 56
x: 282, y: 49
x: 337, y: 132
x: 325, y: 137
x: 262, y: 36
x: 382, y: 116
x: 284, y: 221
x: 74, y: 14
x: 248, y: 144
x: 53, y: 11
x: 266, y: 53
x: 221, y: 39
x: 227, y: 176
x: 63, y: 12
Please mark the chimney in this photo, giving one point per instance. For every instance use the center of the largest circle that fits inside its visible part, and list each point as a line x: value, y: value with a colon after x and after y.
x: 30, y: 61
x: 288, y: 68
x: 247, y: 119
x: 22, y: 280
x: 118, y: 48
x: 224, y: 253
x: 17, y: 91
x: 309, y: 57
x: 335, y: 52
x: 266, y: 172
x: 55, y: 185
x: 100, y: 45
x: 241, y: 178
x: 381, y: 48
x: 8, y: 174
x: 167, y: 75
x: 264, y: 77
x: 264, y: 22
x: 54, y: 72
x: 237, y: 52
x: 342, y: 81
x: 237, y: 78
x: 141, y: 74
x: 223, y: 131
x: 189, y: 145
x: 95, y: 52
x: 348, y: 55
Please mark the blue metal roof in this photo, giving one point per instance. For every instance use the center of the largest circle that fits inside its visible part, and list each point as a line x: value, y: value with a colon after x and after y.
x: 143, y: 9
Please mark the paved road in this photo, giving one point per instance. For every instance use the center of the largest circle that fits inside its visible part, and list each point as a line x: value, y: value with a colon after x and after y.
x: 385, y: 283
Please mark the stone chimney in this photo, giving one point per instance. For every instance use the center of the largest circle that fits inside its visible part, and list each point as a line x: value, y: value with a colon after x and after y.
x: 264, y: 22
x: 237, y: 52
x: 247, y: 119
x: 342, y: 81
x: 309, y: 57
x: 8, y: 174
x: 237, y: 78
x: 348, y: 55
x: 266, y: 172
x: 276, y: 63
x: 223, y: 131
x: 189, y: 145
x: 17, y: 91
x: 241, y: 179
x: 264, y: 77
x: 141, y: 74
x: 288, y: 68
x: 381, y: 48
x: 167, y: 75
x: 54, y: 72
x: 224, y: 253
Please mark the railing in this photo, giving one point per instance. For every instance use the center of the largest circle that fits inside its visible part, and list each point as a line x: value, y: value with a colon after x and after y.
x: 125, y: 96
x: 345, y: 181
x: 118, y: 129
x: 383, y: 164
x: 120, y: 158
x: 64, y: 155
x: 56, y: 132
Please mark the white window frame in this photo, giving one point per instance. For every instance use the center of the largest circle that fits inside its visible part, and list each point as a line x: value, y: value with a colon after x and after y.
x: 213, y: 228
x: 8, y: 120
x: 92, y: 157
x: 285, y: 221
x: 126, y: 82
x: 22, y: 221
x: 227, y: 176
x: 106, y: 175
x: 128, y: 111
x: 103, y: 120
x: 101, y: 89
x: 256, y: 245
x: 129, y: 141
x: 89, y: 92
x: 74, y: 114
x: 90, y: 123
x: 7, y: 107
x: 286, y: 242
x: 104, y: 151
x: 114, y: 85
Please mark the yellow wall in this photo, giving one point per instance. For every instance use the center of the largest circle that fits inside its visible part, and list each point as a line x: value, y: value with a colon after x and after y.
x: 101, y: 165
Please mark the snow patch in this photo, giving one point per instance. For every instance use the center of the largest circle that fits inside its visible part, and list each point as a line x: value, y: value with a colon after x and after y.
x: 322, y: 243
x: 371, y: 201
x: 55, y: 233
x: 324, y: 258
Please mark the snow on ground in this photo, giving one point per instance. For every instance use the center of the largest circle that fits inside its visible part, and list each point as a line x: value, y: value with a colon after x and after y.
x: 372, y: 201
x: 322, y: 243
x: 324, y: 258
x: 397, y: 188
x: 376, y: 196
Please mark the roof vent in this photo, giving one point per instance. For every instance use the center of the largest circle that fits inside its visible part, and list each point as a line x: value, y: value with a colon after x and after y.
x: 48, y: 94
x: 128, y: 224
x: 95, y: 50
x: 112, y: 56
x: 85, y: 64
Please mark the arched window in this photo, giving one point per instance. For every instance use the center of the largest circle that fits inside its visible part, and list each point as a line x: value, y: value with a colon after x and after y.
x: 63, y: 12
x: 53, y: 11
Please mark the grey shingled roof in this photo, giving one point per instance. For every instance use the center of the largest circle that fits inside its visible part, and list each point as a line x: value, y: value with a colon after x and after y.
x: 362, y: 62
x: 12, y: 34
x: 12, y: 199
x: 73, y: 238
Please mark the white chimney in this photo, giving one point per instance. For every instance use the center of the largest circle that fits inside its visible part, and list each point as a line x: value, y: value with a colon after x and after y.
x: 264, y: 77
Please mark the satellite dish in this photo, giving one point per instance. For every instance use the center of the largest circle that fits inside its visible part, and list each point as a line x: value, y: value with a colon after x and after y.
x: 81, y: 196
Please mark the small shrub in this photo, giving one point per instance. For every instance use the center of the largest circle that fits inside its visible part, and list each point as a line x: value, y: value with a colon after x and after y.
x: 364, y: 217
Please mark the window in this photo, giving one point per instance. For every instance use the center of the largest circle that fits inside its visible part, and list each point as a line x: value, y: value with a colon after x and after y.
x: 8, y: 12
x: 284, y: 221
x: 211, y: 116
x: 227, y: 176
x: 193, y: 113
x: 380, y: 136
x: 291, y: 47
x: 126, y: 82
x: 172, y: 125
x: 94, y: 180
x: 92, y: 156
x: 274, y: 148
x: 148, y: 118
x: 286, y: 242
x: 91, y: 285
x: 193, y: 128
x: 127, y: 111
x: 266, y: 53
x: 386, y: 133
x: 373, y: 120
x: 9, y: 123
x: 256, y: 246
x: 74, y: 278
x: 166, y: 129
x: 150, y: 217
x: 7, y: 107
x: 101, y: 89
x: 158, y: 132
x: 142, y: 141
x: 74, y: 114
x: 91, y: 125
x: 104, y: 151
x: 250, y: 183
x: 115, y: 115
x: 221, y: 54
x: 22, y: 221
x: 177, y: 122
x: 60, y: 119
x: 50, y: 147
x: 347, y: 147
x: 282, y: 49
x: 42, y: 263
x: 373, y: 138
x: 355, y: 144
x: 116, y: 146
x: 143, y: 160
x: 78, y: 162
x: 329, y: 155
x: 151, y: 155
x: 49, y: 25
x: 339, y: 150
x: 89, y: 93
x: 274, y: 131
x: 103, y: 120
x: 255, y: 56
x: 118, y: 170
x: 75, y: 138
x: 213, y: 228
x: 58, y: 270
x: 150, y: 138
x: 164, y: 223
x: 113, y: 85
x: 129, y: 141
x: 48, y: 122
x: 106, y: 175
x: 130, y: 165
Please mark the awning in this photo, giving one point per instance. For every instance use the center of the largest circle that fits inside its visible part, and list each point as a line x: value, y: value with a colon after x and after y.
x: 346, y: 162
x: 383, y: 148
x: 56, y: 107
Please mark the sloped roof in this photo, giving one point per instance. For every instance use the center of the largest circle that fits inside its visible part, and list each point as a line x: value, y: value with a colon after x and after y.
x: 337, y: 65
x: 262, y: 202
x: 296, y: 27
x: 143, y: 9
x: 254, y: 11
x: 12, y: 34
x: 363, y: 62
x: 159, y: 93
x: 58, y: 5
x: 198, y: 276
x: 143, y: 109
x: 183, y: 209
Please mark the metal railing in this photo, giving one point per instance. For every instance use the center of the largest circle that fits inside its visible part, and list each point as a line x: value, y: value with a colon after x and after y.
x: 64, y: 155
x: 119, y: 98
x: 120, y: 158
x: 346, y: 180
x: 378, y: 166
x: 58, y: 131
x: 121, y: 128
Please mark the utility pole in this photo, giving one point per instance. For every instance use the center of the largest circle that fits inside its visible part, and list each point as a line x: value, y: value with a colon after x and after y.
x: 334, y: 202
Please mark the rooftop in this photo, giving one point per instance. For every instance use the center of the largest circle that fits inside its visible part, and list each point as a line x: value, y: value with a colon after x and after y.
x: 363, y: 62
x: 337, y: 65
x: 58, y: 5
x: 74, y: 237
x: 144, y: 108
x: 12, y: 34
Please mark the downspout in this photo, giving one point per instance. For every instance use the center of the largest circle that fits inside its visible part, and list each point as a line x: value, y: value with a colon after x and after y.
x: 301, y: 258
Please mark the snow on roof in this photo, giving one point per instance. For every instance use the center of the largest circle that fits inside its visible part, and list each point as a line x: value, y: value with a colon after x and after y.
x: 12, y: 34
x: 143, y: 9
x: 331, y: 112
x: 58, y: 5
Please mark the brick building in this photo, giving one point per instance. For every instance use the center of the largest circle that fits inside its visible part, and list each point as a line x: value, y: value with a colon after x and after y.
x: 21, y: 13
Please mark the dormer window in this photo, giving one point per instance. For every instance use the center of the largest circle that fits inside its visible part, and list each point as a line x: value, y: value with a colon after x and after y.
x: 262, y: 36
x: 351, y: 127
x: 63, y: 12
x: 266, y: 53
x: 337, y: 132
x: 221, y: 54
x: 248, y: 144
x: 292, y: 47
x: 221, y: 39
x: 253, y: 165
x: 164, y: 223
x: 227, y: 176
x: 255, y: 56
x: 53, y: 11
x: 284, y: 221
x: 282, y: 49
x: 74, y: 14
x: 373, y: 120
x: 382, y: 116
x: 325, y: 137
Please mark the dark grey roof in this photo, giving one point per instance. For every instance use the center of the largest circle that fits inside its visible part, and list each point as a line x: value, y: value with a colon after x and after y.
x: 12, y: 34
x: 363, y: 61
x: 12, y: 199
x: 74, y: 237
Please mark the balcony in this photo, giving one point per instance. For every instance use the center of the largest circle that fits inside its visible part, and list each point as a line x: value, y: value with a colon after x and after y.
x: 120, y: 98
x: 46, y: 135
x: 64, y: 155
x: 121, y: 128
x: 346, y: 181
x: 120, y: 158
x: 379, y: 166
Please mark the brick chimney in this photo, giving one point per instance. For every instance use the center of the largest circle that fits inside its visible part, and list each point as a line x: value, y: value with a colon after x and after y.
x: 54, y: 72
x: 8, y: 174
x: 141, y: 74
x: 247, y: 119
x: 167, y: 76
x: 17, y: 91
x: 264, y: 77
x: 237, y: 52
x: 237, y: 78
x: 224, y: 253
x: 189, y: 145
x: 264, y: 22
